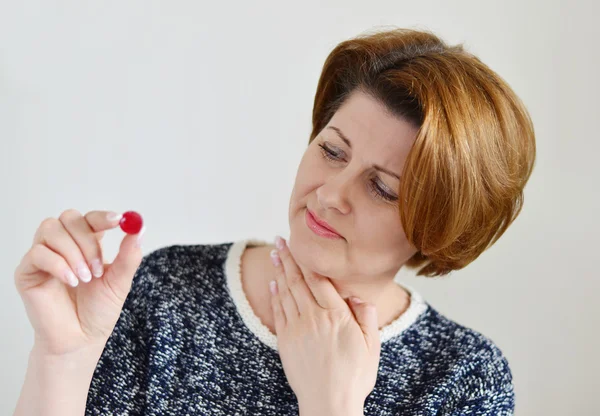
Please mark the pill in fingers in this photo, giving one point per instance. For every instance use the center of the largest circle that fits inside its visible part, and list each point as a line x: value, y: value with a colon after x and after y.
x: 131, y: 222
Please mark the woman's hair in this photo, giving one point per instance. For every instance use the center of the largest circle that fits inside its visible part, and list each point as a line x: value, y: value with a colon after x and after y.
x: 463, y: 180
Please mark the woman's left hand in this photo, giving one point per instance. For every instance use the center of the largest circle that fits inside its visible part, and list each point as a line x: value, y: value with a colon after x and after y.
x: 329, y: 350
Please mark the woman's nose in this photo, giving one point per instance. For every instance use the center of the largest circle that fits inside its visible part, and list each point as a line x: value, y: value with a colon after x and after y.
x: 335, y: 193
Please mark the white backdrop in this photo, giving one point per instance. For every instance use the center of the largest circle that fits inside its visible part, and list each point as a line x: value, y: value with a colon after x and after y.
x: 196, y: 114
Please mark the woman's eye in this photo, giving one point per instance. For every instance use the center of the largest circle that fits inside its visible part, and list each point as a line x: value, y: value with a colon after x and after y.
x: 328, y: 153
x: 373, y: 186
x: 380, y: 193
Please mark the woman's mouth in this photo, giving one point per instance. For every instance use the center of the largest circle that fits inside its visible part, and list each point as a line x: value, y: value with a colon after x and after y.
x: 319, y: 229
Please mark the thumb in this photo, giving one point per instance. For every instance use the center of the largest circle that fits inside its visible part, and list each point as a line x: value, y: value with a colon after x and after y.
x: 366, y: 316
x: 121, y: 271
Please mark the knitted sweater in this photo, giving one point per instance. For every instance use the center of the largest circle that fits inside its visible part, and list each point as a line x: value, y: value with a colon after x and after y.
x: 187, y: 342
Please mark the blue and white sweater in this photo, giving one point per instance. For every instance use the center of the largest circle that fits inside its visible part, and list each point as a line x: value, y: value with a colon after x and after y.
x: 187, y: 342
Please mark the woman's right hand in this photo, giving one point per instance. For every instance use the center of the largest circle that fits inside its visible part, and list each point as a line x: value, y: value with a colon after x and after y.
x: 66, y: 318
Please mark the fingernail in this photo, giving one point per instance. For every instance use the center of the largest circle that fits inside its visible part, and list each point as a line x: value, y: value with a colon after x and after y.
x: 279, y: 242
x: 71, y: 278
x: 275, y: 258
x: 84, y: 273
x: 357, y: 300
x: 97, y: 268
x: 113, y: 216
x: 138, y: 242
x: 273, y: 287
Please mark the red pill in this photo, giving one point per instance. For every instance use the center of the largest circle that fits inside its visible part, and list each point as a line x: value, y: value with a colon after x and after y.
x: 131, y: 222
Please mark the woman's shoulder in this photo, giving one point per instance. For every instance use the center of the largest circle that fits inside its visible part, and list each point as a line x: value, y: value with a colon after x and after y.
x: 464, y: 347
x: 458, y: 338
x: 462, y: 365
x: 174, y: 255
x: 175, y: 259
x: 180, y: 265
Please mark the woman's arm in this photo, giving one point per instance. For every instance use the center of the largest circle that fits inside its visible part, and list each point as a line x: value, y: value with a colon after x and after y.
x: 57, y: 385
x: 325, y: 409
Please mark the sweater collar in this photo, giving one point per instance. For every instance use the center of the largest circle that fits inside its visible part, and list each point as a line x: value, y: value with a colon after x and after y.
x: 233, y: 274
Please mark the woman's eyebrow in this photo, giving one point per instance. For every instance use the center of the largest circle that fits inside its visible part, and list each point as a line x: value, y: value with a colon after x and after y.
x: 347, y: 141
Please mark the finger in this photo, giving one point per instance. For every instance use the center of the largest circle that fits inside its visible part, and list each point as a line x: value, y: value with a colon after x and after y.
x: 286, y: 297
x: 41, y: 258
x: 323, y: 291
x: 278, y: 314
x: 81, y: 231
x: 294, y: 280
x: 119, y: 274
x: 53, y: 234
x: 103, y: 220
x: 366, y: 317
x: 99, y: 221
x: 99, y: 235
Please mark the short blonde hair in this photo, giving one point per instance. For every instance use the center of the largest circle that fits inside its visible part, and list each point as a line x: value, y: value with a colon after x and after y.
x: 463, y: 180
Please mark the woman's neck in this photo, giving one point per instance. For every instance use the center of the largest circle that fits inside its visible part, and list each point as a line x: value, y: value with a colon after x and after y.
x: 390, y: 299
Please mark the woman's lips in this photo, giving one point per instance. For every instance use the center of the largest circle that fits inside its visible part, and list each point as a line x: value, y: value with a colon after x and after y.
x: 317, y: 228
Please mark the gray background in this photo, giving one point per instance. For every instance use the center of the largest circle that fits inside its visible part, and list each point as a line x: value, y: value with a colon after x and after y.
x: 196, y: 114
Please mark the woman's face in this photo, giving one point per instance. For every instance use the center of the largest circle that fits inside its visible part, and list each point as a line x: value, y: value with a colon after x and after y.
x: 349, y: 193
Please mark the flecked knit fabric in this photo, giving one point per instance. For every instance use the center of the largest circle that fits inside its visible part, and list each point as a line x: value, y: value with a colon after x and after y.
x: 187, y: 342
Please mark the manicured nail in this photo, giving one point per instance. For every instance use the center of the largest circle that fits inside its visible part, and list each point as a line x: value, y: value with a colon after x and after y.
x: 275, y: 258
x: 279, y: 242
x: 97, y: 268
x: 71, y: 278
x: 113, y: 216
x: 273, y: 287
x: 139, y: 239
x: 84, y: 272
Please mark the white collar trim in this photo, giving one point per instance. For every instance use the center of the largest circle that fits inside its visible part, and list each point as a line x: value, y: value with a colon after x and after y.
x: 233, y: 277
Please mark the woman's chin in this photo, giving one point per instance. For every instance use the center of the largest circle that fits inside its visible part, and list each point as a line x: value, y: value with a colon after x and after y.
x: 309, y: 256
x: 310, y: 250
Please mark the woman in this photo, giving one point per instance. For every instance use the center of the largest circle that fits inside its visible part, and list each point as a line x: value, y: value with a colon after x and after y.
x: 418, y: 157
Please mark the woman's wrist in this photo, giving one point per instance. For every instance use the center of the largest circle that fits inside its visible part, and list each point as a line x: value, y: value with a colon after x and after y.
x: 80, y: 363
x: 329, y: 408
x: 57, y: 384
